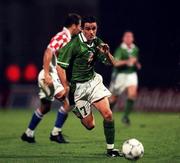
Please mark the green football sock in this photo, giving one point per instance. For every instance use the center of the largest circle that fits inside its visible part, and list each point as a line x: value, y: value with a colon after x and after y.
x: 128, y: 107
x: 109, y: 132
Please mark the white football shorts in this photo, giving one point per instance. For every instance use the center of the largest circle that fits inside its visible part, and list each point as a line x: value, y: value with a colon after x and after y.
x: 122, y: 81
x: 48, y: 92
x: 88, y: 92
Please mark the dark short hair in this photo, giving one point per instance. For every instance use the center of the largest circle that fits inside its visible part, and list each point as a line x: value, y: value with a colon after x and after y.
x: 71, y: 19
x: 88, y: 19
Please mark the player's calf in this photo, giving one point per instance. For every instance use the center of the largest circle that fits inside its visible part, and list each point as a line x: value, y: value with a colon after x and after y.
x: 132, y: 95
x: 88, y: 122
x: 28, y: 135
x: 83, y: 111
x: 56, y: 134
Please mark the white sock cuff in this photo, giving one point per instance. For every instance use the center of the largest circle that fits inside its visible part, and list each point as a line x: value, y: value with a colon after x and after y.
x: 56, y: 131
x: 110, y: 146
x: 30, y: 132
x: 62, y: 110
x: 38, y: 113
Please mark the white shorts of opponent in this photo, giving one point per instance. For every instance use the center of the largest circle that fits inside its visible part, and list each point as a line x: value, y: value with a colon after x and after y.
x: 48, y: 92
x: 88, y: 92
x: 122, y: 81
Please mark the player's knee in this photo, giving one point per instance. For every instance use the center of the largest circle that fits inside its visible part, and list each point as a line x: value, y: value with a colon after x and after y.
x: 90, y: 126
x: 132, y: 95
x: 45, y: 106
x: 44, y: 109
x: 60, y: 95
x: 108, y: 115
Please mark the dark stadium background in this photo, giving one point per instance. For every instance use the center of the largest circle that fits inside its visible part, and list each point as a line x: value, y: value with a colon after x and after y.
x: 27, y: 26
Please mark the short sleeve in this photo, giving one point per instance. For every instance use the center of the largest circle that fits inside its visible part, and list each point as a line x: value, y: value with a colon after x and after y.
x: 135, y: 52
x: 118, y: 53
x: 65, y: 54
x: 58, y: 41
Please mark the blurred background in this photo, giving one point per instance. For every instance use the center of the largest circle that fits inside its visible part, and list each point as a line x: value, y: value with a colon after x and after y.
x: 26, y: 28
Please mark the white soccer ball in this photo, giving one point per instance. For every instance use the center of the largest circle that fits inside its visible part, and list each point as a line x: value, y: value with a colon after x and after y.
x: 133, y: 149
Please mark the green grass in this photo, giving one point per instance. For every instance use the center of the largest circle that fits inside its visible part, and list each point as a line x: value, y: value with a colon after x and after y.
x: 159, y: 133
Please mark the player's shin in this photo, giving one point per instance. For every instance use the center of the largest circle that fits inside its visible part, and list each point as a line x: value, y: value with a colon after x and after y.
x: 60, y: 120
x: 128, y: 107
x: 109, y: 132
x: 36, y: 118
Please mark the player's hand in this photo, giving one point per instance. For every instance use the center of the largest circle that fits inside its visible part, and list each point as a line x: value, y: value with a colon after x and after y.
x: 103, y: 48
x: 130, y: 63
x: 48, y: 80
x: 138, y: 65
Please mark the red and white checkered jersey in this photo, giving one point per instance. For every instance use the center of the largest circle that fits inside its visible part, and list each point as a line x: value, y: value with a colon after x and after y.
x: 59, y: 40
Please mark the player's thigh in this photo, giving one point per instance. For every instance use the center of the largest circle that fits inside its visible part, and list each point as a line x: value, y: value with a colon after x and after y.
x: 103, y: 107
x: 132, y: 91
x: 132, y: 84
x: 82, y: 109
x: 46, y: 92
x: 49, y: 92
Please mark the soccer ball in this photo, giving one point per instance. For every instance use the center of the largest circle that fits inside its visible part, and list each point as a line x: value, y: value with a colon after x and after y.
x: 132, y: 149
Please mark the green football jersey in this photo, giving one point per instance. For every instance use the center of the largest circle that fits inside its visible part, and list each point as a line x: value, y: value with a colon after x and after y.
x: 123, y: 53
x: 81, y: 57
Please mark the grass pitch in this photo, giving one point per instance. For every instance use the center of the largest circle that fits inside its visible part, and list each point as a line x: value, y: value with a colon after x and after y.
x: 159, y: 133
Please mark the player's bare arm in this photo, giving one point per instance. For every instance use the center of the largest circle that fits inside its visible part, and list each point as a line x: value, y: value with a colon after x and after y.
x: 104, y: 48
x: 62, y: 76
x: 134, y: 61
x: 138, y: 65
x: 46, y: 65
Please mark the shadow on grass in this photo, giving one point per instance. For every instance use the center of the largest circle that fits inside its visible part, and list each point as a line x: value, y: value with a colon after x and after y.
x: 64, y: 155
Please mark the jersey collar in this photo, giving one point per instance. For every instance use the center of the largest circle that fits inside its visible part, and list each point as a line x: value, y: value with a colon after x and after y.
x: 124, y: 46
x: 67, y: 32
x: 129, y: 50
x: 84, y: 40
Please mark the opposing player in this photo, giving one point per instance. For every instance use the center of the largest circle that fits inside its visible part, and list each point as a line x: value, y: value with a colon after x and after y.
x: 51, y: 85
x: 86, y: 85
x: 124, y: 77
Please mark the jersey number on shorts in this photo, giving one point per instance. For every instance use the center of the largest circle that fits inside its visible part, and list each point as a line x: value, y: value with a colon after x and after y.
x: 84, y: 110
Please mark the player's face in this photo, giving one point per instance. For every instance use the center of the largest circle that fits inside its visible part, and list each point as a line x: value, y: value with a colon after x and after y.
x: 90, y: 30
x: 128, y: 38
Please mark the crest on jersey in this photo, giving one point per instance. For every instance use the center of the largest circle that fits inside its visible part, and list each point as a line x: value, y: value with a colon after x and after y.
x: 91, y: 55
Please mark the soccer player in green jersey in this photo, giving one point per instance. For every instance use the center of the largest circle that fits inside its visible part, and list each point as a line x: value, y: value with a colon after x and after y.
x: 86, y: 85
x: 124, y: 77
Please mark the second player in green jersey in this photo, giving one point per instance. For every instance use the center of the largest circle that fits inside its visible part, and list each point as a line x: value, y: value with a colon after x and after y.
x: 124, y: 77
